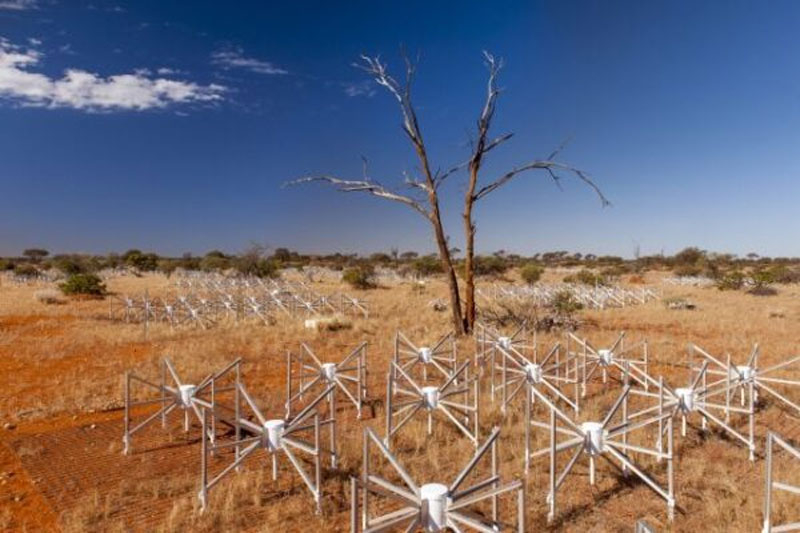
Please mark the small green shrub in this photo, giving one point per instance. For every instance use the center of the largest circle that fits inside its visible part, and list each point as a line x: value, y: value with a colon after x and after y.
x: 531, y: 273
x: 490, y: 265
x: 26, y: 271
x: 688, y: 271
x: 85, y: 284
x: 731, y: 281
x: 586, y: 277
x: 360, y: 277
x: 565, y: 304
x: 427, y: 265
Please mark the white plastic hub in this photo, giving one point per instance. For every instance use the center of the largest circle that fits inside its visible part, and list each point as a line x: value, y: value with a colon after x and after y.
x: 425, y: 355
x: 606, y: 356
x: 533, y: 373
x: 273, y: 434
x: 437, y: 497
x: 685, y: 398
x: 329, y: 371
x: 745, y: 373
x: 504, y: 342
x: 595, y: 437
x: 431, y: 397
x: 187, y: 393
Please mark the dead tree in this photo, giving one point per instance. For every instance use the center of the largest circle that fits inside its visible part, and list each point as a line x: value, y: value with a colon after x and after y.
x: 425, y: 188
x: 475, y: 191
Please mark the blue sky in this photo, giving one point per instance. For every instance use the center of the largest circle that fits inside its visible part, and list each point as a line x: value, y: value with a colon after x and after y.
x: 165, y: 127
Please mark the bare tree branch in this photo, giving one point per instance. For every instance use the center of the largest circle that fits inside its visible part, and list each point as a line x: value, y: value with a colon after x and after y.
x: 494, y: 143
x: 369, y: 187
x: 550, y: 167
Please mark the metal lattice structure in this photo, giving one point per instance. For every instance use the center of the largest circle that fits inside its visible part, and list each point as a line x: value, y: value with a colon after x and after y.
x: 405, y: 398
x: 632, y: 362
x: 173, y: 393
x: 488, y: 342
x: 701, y: 399
x: 771, y: 484
x: 300, y: 434
x: 206, y: 300
x: 433, y: 507
x: 441, y: 356
x: 732, y: 378
x: 604, y: 440
x: 305, y: 373
x: 541, y: 294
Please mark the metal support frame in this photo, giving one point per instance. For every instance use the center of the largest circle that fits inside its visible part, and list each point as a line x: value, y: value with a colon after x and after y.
x: 616, y: 357
x: 441, y: 356
x: 607, y: 441
x: 698, y: 397
x: 405, y: 398
x: 770, y: 485
x: 731, y: 378
x: 433, y: 507
x: 176, y: 395
x: 487, y: 343
x: 300, y: 434
x: 305, y: 372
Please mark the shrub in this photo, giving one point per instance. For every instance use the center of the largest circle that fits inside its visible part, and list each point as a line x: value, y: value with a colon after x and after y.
x: 6, y: 264
x: 565, y: 304
x: 731, y: 281
x: 360, y: 277
x: 427, y: 265
x: 688, y: 271
x: 70, y: 265
x: 26, y: 271
x: 531, y: 273
x: 86, y: 284
x: 491, y: 265
x: 586, y: 277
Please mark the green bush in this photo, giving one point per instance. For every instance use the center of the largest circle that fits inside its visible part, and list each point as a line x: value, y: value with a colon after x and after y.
x: 26, y: 271
x: 531, y: 273
x: 586, y: 277
x: 565, y: 304
x: 490, y: 265
x: 6, y: 264
x: 688, y: 271
x: 360, y: 277
x: 86, y: 284
x: 427, y: 265
x: 731, y: 281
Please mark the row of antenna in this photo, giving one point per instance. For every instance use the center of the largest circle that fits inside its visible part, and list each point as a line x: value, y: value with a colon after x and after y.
x: 634, y: 435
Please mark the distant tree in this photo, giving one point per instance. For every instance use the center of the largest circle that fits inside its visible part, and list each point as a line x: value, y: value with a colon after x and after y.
x: 407, y: 256
x: 35, y: 254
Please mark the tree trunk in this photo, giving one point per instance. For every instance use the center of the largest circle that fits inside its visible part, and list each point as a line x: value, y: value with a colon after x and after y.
x: 449, y: 271
x: 469, y: 267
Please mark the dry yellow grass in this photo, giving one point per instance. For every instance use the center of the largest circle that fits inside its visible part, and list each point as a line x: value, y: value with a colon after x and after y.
x: 64, y: 366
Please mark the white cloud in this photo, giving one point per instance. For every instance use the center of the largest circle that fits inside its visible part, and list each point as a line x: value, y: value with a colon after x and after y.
x: 79, y: 89
x: 235, y: 58
x: 34, y: 42
x: 360, y: 88
x: 18, y: 5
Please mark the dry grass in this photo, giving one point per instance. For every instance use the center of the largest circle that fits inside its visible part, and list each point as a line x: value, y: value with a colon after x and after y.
x: 68, y: 360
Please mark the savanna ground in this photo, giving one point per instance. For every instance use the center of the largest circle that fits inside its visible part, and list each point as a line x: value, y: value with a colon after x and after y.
x: 60, y: 447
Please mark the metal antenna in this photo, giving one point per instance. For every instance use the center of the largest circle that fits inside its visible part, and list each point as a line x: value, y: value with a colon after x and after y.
x: 305, y: 372
x: 432, y: 507
x: 177, y: 395
x: 632, y: 360
x: 739, y: 378
x: 697, y: 397
x: 602, y: 439
x: 287, y: 436
x: 440, y: 356
x: 770, y: 485
x: 456, y: 398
